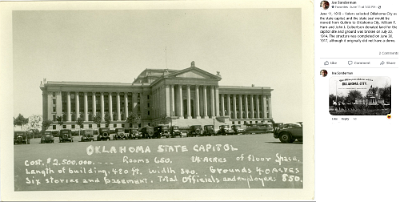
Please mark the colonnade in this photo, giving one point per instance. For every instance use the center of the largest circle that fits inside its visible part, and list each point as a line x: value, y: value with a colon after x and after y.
x: 118, y: 95
x: 239, y: 106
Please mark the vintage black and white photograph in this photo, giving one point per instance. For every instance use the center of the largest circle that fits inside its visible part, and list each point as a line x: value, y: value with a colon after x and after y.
x: 158, y: 99
x: 365, y: 95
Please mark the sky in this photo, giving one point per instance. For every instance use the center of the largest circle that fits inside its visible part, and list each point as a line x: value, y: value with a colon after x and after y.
x: 247, y: 46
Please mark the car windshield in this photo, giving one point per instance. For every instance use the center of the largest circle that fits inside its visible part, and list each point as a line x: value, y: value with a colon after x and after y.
x: 18, y: 134
x: 47, y: 133
x: 64, y: 132
x: 238, y: 126
x: 88, y: 132
x: 175, y: 127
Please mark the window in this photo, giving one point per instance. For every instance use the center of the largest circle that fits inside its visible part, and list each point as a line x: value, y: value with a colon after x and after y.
x: 256, y: 121
x: 233, y: 122
x: 148, y: 104
x: 64, y: 126
x: 54, y: 117
x: 123, y: 125
x: 90, y: 125
x: 54, y: 94
x: 115, y: 125
x: 98, y: 125
x: 54, y: 101
x: 54, y: 127
x: 54, y: 109
x: 130, y: 125
x: 148, y: 124
x: 73, y: 126
x: 239, y: 122
x: 251, y: 121
x: 148, y: 112
x: 148, y: 97
x: 140, y: 125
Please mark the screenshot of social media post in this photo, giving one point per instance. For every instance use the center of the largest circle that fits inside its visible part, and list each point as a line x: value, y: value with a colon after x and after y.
x: 356, y: 98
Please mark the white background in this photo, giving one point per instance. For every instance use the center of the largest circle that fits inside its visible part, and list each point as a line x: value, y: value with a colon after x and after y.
x: 355, y: 160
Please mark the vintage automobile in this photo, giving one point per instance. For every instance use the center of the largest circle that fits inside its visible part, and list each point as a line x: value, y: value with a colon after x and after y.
x: 104, y: 134
x: 147, y: 132
x: 119, y: 134
x: 174, y: 131
x: 194, y: 131
x: 47, y: 137
x: 209, y: 130
x: 87, y: 135
x: 66, y: 135
x: 259, y: 128
x: 132, y: 133
x: 291, y: 133
x: 225, y: 130
x: 21, y: 137
x: 161, y: 130
x: 237, y: 128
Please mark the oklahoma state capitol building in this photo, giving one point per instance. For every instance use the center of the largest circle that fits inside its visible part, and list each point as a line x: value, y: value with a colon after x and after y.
x: 186, y: 97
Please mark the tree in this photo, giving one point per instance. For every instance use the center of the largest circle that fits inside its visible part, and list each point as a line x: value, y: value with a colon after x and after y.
x: 97, y: 119
x: 20, y: 120
x: 353, y: 95
x: 165, y: 119
x: 79, y: 122
x: 332, y: 98
x: 46, y: 124
x: 107, y: 119
x: 133, y: 119
x: 385, y: 94
x: 60, y: 121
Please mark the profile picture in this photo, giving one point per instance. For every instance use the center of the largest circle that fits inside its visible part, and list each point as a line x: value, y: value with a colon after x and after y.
x: 324, y: 73
x: 324, y: 5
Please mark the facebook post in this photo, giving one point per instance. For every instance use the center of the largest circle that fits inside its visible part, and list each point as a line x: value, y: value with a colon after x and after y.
x: 356, y: 69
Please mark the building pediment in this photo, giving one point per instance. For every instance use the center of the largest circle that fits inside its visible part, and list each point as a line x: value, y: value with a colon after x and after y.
x: 194, y: 72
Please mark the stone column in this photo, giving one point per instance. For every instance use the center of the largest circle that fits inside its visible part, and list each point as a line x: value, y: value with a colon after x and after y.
x: 180, y: 102
x: 118, y: 107
x: 258, y: 106
x: 173, y: 113
x: 223, y: 104
x: 217, y: 101
x: 189, y: 111
x: 134, y: 103
x: 264, y: 106
x: 68, y: 106
x: 252, y: 106
x: 212, y: 102
x: 205, y: 101
x: 110, y: 111
x: 85, y: 106
x: 197, y: 115
x: 246, y: 106
x: 94, y: 103
x: 102, y: 106
x: 59, y: 104
x: 77, y: 106
x: 228, y: 103
x: 167, y: 101
x: 126, y: 105
x: 240, y: 106
x: 234, y: 107
x: 269, y: 108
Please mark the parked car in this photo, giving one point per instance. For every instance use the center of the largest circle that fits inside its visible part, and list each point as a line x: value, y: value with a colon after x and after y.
x: 291, y: 133
x: 21, y: 137
x: 195, y: 130
x: 104, y: 134
x: 209, y: 130
x: 47, y: 137
x: 237, y: 128
x: 225, y: 130
x: 147, y: 132
x: 259, y: 128
x: 66, y: 135
x: 161, y: 130
x: 174, y: 131
x: 119, y: 134
x: 87, y: 135
x: 132, y: 133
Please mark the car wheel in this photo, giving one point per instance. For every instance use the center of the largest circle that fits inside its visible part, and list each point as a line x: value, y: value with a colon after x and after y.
x: 285, y: 138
